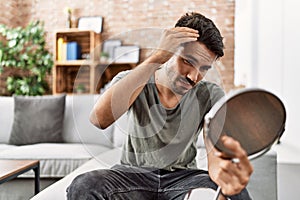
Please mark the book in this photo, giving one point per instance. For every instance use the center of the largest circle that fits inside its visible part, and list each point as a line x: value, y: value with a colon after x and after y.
x: 64, y: 51
x: 73, y: 51
x: 60, y: 42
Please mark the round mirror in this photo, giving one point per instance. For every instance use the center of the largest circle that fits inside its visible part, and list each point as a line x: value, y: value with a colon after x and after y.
x: 254, y: 117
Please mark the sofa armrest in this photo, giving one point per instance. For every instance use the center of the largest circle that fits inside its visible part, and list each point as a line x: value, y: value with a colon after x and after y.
x: 263, y: 182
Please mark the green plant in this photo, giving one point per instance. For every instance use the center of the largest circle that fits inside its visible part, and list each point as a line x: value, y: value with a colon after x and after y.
x: 104, y: 54
x: 80, y: 88
x: 25, y: 50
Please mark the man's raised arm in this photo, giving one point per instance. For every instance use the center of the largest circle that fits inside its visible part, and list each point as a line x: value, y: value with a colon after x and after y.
x: 120, y: 96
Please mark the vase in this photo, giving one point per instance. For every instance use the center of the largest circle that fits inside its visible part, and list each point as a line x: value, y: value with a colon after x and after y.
x: 69, y: 21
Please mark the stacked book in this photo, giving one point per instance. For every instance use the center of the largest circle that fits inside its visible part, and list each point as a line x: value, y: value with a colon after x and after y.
x: 68, y: 50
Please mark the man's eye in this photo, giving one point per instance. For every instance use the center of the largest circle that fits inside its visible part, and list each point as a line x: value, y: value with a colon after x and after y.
x: 205, y: 68
x: 187, y: 62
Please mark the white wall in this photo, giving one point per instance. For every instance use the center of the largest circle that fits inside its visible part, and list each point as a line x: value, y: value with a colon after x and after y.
x: 244, y: 44
x: 267, y: 40
x: 267, y: 55
x: 258, y: 40
x: 291, y: 68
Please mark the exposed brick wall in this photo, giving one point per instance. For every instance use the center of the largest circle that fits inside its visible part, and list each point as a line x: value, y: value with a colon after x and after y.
x: 9, y: 11
x: 128, y: 20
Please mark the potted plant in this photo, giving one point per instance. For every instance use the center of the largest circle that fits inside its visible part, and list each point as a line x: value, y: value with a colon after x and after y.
x: 80, y: 88
x: 104, y: 57
x: 24, y: 50
x: 68, y: 12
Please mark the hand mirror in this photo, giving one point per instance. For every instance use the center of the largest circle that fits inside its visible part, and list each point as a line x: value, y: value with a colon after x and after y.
x: 254, y: 117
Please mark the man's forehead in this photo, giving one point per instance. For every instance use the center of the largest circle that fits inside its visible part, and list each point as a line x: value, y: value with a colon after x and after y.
x: 198, y: 51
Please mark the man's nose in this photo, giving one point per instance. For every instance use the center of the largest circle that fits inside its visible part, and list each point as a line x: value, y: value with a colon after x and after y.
x: 194, y: 75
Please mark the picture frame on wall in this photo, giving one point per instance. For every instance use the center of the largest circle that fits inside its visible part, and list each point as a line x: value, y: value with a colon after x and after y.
x: 93, y: 23
x: 127, y: 54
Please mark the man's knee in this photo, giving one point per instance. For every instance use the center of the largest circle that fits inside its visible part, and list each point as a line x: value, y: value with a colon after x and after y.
x: 90, y: 185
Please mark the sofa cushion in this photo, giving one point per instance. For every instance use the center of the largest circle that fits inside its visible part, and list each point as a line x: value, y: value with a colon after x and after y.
x: 56, y: 160
x: 37, y: 119
x: 77, y: 128
x: 6, y: 147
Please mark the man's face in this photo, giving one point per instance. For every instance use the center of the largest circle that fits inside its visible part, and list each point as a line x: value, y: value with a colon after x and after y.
x: 186, y: 68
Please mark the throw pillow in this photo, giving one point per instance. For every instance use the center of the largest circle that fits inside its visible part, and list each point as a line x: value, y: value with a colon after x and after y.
x: 37, y: 119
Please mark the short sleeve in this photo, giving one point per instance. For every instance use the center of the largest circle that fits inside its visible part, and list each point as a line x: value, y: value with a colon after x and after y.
x: 119, y: 76
x: 216, y: 94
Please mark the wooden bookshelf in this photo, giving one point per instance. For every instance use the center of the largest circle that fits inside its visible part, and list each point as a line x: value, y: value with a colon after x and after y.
x: 89, y: 72
x: 67, y: 74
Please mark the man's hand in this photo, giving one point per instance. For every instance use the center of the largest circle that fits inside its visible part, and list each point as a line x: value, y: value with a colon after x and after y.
x: 232, y: 173
x: 171, y: 39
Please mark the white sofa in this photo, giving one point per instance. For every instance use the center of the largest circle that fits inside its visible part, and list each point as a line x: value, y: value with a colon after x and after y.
x: 86, y: 148
x: 81, y: 139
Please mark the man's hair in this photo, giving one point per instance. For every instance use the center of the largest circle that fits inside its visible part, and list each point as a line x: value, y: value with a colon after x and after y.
x: 210, y: 36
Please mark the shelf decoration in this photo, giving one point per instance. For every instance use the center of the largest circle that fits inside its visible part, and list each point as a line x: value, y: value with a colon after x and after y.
x: 108, y: 48
x: 127, y: 54
x: 91, y: 23
x: 68, y: 12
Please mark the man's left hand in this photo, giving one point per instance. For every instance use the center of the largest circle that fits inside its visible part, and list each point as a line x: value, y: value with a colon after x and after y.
x: 230, y: 172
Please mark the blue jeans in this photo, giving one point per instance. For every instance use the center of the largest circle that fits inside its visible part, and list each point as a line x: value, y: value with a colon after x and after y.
x: 123, y: 182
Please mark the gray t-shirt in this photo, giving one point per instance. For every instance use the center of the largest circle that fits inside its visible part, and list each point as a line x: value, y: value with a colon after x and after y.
x: 165, y: 138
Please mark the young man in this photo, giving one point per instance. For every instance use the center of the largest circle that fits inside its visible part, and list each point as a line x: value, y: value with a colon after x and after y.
x: 166, y: 100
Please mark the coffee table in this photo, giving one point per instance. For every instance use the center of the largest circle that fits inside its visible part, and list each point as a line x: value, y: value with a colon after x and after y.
x: 10, y: 169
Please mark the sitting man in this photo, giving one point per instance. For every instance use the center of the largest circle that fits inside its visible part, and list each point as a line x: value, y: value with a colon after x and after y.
x: 166, y: 99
